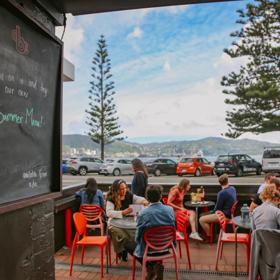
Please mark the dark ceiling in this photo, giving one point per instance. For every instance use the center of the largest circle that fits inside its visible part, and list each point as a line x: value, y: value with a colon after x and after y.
x: 81, y: 7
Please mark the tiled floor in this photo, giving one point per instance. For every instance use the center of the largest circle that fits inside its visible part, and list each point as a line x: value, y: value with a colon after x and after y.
x: 202, y: 260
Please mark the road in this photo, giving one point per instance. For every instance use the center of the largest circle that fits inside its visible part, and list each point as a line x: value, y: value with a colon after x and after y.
x: 250, y: 179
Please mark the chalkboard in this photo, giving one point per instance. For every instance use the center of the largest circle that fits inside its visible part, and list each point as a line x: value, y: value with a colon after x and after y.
x: 30, y: 117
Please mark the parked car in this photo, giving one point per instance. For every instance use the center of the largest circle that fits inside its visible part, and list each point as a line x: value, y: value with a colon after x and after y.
x: 237, y: 164
x: 84, y: 165
x: 196, y: 166
x: 116, y: 167
x: 271, y: 159
x: 161, y: 166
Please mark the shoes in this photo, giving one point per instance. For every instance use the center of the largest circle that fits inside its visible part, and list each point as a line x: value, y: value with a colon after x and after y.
x: 195, y: 235
x: 158, y: 268
x: 124, y: 256
x: 155, y: 271
x: 206, y: 239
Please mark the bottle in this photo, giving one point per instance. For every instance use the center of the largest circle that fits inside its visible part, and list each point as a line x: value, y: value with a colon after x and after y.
x: 245, y: 218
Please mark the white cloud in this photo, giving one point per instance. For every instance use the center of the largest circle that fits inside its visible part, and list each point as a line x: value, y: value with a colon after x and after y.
x: 136, y: 33
x: 226, y: 64
x: 166, y: 66
x: 198, y: 114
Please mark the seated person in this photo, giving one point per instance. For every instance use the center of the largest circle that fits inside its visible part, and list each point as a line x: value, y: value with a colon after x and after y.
x: 175, y: 200
x: 225, y: 199
x: 267, y: 215
x: 91, y: 194
x: 256, y: 201
x: 117, y: 206
x: 156, y: 214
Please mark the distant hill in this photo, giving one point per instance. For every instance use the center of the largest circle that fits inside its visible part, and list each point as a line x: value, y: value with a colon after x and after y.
x: 210, y: 146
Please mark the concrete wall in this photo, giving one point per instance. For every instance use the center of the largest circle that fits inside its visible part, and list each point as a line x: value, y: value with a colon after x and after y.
x: 27, y: 243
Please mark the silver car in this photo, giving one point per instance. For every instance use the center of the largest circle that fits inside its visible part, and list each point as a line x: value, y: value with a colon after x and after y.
x: 84, y: 165
x: 116, y: 167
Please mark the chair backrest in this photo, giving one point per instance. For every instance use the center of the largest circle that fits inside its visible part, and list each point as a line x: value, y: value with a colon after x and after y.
x: 222, y: 220
x: 80, y: 223
x: 182, y: 221
x: 233, y: 208
x: 91, y: 212
x: 265, y: 254
x: 160, y: 237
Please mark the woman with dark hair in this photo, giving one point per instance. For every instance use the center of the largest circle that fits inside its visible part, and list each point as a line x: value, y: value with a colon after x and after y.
x: 91, y: 194
x: 140, y: 180
x: 117, y: 206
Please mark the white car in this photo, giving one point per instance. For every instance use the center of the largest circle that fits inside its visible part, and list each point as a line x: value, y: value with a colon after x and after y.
x: 116, y: 167
x: 84, y: 165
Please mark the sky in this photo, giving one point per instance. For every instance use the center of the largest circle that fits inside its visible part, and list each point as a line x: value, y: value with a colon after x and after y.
x: 167, y: 64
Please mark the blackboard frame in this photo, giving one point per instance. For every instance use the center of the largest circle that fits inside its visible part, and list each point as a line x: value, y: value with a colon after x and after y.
x: 56, y: 179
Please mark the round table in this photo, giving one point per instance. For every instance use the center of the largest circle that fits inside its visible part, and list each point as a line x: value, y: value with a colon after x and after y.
x: 239, y: 224
x: 128, y: 222
x: 197, y: 205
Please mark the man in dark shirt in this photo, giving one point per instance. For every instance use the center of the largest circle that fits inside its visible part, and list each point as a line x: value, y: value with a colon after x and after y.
x: 225, y: 199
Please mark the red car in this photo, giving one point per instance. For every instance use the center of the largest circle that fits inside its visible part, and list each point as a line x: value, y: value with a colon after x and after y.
x: 196, y: 166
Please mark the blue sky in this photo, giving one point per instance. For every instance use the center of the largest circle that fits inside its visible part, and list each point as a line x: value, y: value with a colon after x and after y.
x: 167, y: 65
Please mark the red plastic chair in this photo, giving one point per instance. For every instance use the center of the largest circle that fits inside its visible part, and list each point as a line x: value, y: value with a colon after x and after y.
x: 158, y: 239
x: 230, y: 238
x: 82, y: 239
x: 182, y: 223
x: 93, y: 214
x: 228, y: 221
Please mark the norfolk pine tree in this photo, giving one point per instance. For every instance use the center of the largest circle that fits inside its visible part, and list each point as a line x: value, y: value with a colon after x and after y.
x: 255, y: 89
x: 101, y: 116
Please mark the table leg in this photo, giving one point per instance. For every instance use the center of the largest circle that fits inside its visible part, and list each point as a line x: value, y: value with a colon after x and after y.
x: 107, y: 250
x: 236, y: 229
x: 196, y: 218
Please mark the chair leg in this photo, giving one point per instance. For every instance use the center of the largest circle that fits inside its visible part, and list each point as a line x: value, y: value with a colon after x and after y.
x: 176, y: 265
x: 188, y: 254
x: 217, y: 253
x: 72, y: 257
x: 109, y: 252
x: 143, y: 277
x: 101, y: 261
x: 180, y: 250
x: 83, y: 254
x: 133, y: 267
x: 221, y: 250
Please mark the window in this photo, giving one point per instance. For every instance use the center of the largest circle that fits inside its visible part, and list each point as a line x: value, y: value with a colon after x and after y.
x: 169, y: 161
x: 248, y: 158
x: 186, y: 160
x: 271, y: 153
x: 98, y: 160
x: 223, y: 158
x: 205, y: 160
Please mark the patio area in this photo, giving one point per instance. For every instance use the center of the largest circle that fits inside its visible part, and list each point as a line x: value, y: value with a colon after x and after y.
x: 203, y: 258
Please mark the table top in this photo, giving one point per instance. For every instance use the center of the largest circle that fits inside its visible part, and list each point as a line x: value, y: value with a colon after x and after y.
x: 199, y: 204
x: 125, y: 223
x: 237, y: 221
